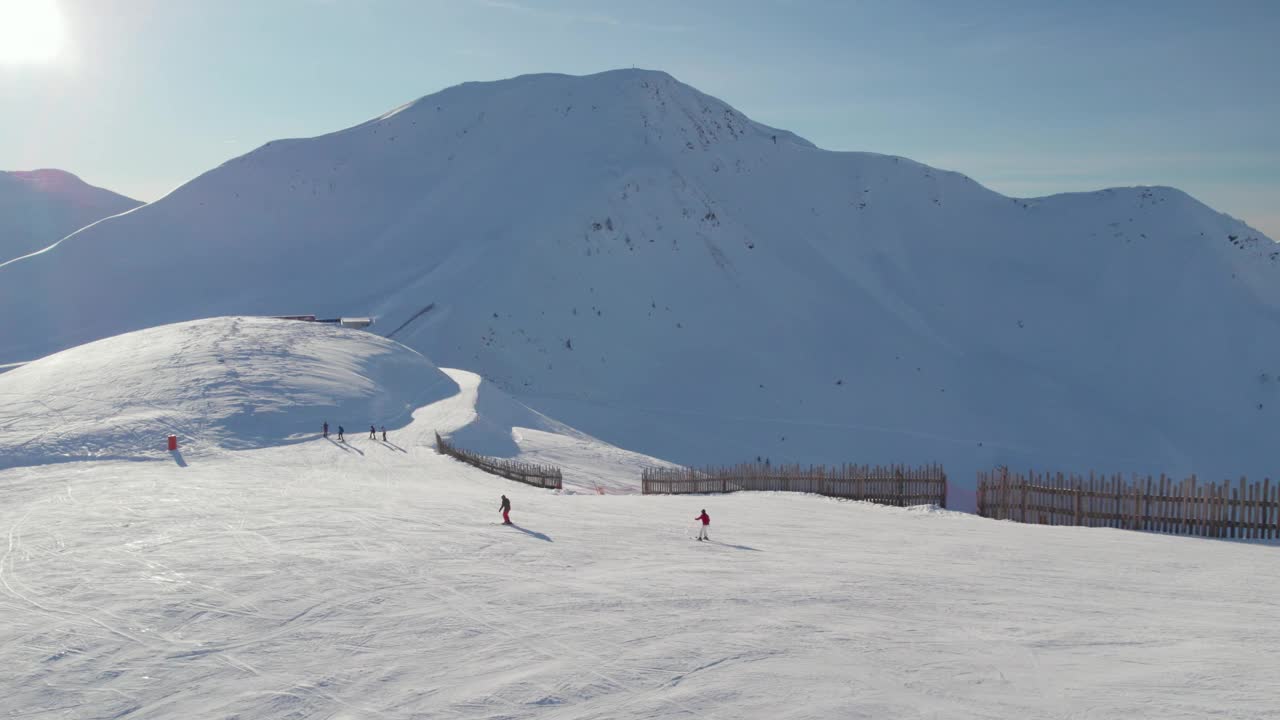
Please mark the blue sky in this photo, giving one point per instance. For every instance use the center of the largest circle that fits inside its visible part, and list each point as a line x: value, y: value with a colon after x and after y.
x: 1029, y: 98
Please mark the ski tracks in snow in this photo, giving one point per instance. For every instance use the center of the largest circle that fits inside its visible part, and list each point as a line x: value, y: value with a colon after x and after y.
x: 304, y: 581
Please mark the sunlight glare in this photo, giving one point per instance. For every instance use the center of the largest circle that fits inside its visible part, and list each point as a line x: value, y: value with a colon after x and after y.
x: 31, y: 31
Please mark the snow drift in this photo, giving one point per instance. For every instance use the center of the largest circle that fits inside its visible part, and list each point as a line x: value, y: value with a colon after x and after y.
x: 486, y: 420
x: 642, y: 262
x: 40, y: 207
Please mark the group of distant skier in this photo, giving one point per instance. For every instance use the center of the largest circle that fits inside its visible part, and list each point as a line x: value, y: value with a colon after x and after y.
x: 373, y: 434
x: 505, y: 506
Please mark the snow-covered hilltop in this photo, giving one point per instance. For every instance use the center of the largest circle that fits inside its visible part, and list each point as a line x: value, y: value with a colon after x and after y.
x: 239, y: 383
x: 40, y: 207
x: 230, y: 383
x: 644, y: 263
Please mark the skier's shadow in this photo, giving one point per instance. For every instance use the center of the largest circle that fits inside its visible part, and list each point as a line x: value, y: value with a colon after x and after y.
x: 345, y: 446
x: 393, y: 445
x: 535, y: 533
x: 177, y: 457
x: 735, y: 547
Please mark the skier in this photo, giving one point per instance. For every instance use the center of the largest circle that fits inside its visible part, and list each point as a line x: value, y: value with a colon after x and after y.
x: 372, y: 434
x: 326, y: 428
x: 706, y: 520
x: 340, y: 438
x: 505, y: 507
x: 384, y: 433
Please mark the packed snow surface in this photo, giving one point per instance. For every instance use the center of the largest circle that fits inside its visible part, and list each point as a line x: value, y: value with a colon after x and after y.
x: 371, y: 580
x: 263, y: 571
x: 642, y: 262
x: 40, y: 207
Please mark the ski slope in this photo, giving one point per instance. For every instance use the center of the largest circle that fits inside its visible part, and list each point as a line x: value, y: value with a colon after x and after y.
x: 644, y: 263
x: 370, y: 580
x: 237, y: 383
x: 218, y: 383
x: 263, y: 571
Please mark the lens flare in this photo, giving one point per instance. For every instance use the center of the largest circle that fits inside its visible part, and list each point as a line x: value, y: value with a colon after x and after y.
x: 31, y: 31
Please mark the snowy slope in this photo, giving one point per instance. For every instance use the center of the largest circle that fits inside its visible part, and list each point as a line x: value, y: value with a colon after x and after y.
x: 482, y: 418
x: 371, y: 581
x: 40, y: 207
x: 641, y: 262
x: 220, y: 383
x: 237, y: 383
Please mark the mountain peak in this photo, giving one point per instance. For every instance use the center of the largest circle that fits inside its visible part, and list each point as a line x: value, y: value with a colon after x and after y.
x: 645, y: 263
x: 640, y: 102
x: 40, y: 207
x: 47, y: 178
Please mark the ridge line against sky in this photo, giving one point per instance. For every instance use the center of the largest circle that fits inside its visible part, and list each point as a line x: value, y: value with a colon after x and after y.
x: 1029, y: 98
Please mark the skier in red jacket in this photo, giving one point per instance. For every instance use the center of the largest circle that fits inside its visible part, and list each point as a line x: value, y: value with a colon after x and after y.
x: 706, y: 520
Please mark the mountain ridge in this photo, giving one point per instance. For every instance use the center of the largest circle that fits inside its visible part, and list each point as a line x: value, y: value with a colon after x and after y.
x: 645, y: 263
x: 40, y: 207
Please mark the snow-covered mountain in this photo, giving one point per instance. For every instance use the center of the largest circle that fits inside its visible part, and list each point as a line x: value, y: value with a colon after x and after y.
x: 644, y: 263
x: 40, y: 207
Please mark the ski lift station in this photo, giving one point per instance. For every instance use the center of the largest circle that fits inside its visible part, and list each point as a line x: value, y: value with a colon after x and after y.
x: 351, y: 322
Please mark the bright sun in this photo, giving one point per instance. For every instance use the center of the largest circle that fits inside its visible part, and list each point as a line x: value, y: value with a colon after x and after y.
x: 31, y: 31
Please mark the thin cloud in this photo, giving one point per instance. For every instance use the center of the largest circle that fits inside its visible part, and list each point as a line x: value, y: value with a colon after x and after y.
x: 1087, y: 163
x: 577, y: 17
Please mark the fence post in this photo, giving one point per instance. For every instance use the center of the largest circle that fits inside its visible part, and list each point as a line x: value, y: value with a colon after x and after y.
x: 1244, y: 519
x: 1079, y: 498
x: 1264, y: 521
x: 1224, y: 507
x: 1232, y: 499
x: 1276, y: 505
x: 1213, y: 509
x: 1023, y: 514
x: 1250, y: 510
x: 1139, y: 514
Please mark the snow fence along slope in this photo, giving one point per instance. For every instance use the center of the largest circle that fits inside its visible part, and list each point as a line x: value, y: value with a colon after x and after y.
x: 312, y: 580
x: 642, y: 262
x: 483, y: 419
x: 231, y: 383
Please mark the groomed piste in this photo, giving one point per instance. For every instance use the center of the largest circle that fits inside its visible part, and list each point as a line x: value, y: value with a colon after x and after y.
x: 266, y: 572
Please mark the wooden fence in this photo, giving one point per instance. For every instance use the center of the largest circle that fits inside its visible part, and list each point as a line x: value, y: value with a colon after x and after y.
x: 894, y: 485
x: 1163, y: 505
x: 543, y: 476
